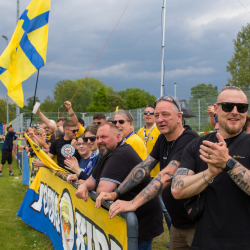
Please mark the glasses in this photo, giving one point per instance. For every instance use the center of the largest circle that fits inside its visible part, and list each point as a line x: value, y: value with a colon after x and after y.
x: 74, y: 131
x: 81, y: 144
x: 167, y: 98
x: 120, y: 121
x: 229, y: 106
x: 97, y: 123
x: 91, y: 138
x: 148, y: 112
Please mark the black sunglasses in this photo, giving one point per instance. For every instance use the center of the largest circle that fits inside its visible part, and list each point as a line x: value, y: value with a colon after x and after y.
x: 91, y: 138
x: 74, y: 131
x: 97, y: 123
x: 148, y: 112
x: 167, y: 98
x: 229, y: 106
x: 120, y: 121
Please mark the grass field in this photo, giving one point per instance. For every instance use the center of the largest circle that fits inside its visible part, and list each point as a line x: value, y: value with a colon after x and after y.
x: 15, y: 234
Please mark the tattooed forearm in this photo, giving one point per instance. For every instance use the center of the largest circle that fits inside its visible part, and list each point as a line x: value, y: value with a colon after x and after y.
x: 170, y: 179
x: 71, y: 115
x: 174, y: 163
x: 137, y: 174
x: 154, y: 188
x: 178, y: 177
x: 241, y: 176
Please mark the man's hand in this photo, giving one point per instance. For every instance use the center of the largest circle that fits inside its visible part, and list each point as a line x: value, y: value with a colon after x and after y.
x: 67, y: 105
x: 210, y: 110
x: 82, y: 192
x: 104, y: 196
x: 71, y: 178
x: 74, y: 144
x: 38, y: 164
x: 120, y: 206
x: 38, y: 110
x: 215, y: 155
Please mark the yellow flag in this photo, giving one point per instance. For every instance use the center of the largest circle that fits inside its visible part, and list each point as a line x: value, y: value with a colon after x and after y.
x: 44, y: 158
x: 117, y: 107
x: 26, y: 52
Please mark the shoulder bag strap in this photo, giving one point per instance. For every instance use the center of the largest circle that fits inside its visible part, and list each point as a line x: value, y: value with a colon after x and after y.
x: 238, y: 139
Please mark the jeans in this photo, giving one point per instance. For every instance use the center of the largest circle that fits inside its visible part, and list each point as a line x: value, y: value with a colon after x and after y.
x: 146, y: 245
x: 165, y: 212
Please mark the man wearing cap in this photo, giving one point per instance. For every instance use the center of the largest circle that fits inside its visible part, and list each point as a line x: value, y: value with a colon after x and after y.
x: 7, y: 149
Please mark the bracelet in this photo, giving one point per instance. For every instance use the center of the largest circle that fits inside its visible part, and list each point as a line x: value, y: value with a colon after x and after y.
x: 205, y: 178
x: 117, y: 192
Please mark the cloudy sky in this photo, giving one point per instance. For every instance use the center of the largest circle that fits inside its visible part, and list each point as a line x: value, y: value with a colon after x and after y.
x: 198, y: 43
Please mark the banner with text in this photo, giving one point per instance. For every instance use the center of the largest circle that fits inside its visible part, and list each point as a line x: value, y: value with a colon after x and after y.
x: 50, y: 206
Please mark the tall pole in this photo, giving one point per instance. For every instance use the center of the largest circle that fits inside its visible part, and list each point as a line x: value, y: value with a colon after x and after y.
x: 17, y: 18
x: 7, y: 101
x: 162, y: 47
x: 199, y: 110
x: 175, y: 91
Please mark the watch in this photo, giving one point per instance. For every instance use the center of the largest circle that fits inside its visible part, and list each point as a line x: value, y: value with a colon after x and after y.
x: 230, y: 164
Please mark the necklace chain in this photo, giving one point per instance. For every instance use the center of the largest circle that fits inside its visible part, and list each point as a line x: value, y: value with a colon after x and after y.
x: 174, y: 141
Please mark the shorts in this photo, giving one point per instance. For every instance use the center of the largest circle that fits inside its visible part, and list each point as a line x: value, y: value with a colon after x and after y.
x: 6, y: 156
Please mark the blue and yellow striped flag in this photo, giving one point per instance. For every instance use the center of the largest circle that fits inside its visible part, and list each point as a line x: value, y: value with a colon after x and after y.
x: 26, y: 52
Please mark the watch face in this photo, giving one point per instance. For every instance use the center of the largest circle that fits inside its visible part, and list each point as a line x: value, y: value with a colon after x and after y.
x: 230, y: 164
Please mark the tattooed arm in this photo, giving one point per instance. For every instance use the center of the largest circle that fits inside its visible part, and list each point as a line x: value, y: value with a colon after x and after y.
x: 155, y: 187
x: 134, y: 178
x: 241, y: 176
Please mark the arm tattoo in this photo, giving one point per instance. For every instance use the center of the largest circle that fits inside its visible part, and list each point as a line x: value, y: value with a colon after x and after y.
x: 240, y: 175
x: 71, y: 115
x: 137, y: 174
x: 154, y: 188
x: 173, y: 163
x: 178, y: 176
x: 170, y: 179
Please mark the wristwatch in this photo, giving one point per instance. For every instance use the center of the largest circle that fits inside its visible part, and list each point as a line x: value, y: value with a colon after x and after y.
x: 230, y: 164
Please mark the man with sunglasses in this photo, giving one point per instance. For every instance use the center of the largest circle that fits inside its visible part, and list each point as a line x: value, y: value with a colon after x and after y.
x: 217, y: 168
x: 167, y: 150
x: 150, y: 133
x: 99, y: 119
x: 62, y: 147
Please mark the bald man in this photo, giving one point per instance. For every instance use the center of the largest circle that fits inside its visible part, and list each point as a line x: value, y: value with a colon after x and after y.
x: 220, y: 176
x: 116, y: 162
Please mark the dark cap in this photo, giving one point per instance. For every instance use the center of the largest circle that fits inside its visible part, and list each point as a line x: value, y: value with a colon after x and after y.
x: 10, y: 126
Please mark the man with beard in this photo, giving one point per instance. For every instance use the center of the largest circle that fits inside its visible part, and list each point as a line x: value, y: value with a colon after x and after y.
x: 220, y: 176
x: 117, y: 160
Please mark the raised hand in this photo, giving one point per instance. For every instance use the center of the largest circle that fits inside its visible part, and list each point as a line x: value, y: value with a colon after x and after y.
x: 67, y: 104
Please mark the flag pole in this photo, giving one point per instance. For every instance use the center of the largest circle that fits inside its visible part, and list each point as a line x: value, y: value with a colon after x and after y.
x: 34, y: 97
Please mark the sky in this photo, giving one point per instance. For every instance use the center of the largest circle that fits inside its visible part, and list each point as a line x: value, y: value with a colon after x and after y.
x: 198, y: 43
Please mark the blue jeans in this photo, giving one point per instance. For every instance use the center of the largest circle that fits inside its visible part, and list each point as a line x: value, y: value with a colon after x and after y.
x: 146, y: 245
x: 165, y: 212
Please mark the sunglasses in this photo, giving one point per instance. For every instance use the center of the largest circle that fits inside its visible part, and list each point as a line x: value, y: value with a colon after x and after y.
x: 148, y: 112
x: 74, y: 131
x: 229, y: 106
x: 120, y: 121
x: 91, y: 138
x: 167, y: 98
x: 97, y: 123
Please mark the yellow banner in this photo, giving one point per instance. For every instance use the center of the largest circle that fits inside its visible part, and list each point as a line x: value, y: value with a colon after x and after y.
x: 78, y: 222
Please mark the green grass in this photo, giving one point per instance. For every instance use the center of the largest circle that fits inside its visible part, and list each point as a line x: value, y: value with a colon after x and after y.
x: 15, y: 234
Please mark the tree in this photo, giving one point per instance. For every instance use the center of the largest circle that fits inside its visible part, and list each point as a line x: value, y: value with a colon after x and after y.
x: 117, y: 100
x: 239, y: 65
x: 101, y: 101
x: 140, y: 98
x: 3, y: 113
x: 47, y: 105
x: 203, y: 91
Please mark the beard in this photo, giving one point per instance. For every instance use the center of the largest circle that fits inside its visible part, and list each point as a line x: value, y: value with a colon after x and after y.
x: 104, y: 152
x: 232, y: 131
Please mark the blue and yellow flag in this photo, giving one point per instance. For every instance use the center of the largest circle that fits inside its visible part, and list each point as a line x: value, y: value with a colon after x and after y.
x: 26, y: 52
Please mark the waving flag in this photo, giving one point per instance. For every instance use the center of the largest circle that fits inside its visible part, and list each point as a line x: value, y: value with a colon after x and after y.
x: 26, y: 52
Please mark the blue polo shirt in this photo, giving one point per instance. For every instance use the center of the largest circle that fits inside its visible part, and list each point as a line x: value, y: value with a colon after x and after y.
x: 8, y: 142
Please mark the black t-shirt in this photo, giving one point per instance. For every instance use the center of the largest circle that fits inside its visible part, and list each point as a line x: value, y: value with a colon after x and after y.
x: 61, y: 147
x: 115, y: 168
x: 225, y: 222
x: 165, y: 152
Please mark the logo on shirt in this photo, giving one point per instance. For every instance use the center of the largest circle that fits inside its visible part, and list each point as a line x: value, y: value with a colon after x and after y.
x: 68, y: 150
x: 237, y: 156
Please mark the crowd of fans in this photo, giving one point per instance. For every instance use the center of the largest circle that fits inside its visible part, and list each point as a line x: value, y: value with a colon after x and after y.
x: 139, y: 168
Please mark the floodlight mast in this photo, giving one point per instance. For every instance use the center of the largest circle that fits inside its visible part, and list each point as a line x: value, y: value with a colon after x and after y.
x: 17, y: 18
x: 162, y: 47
